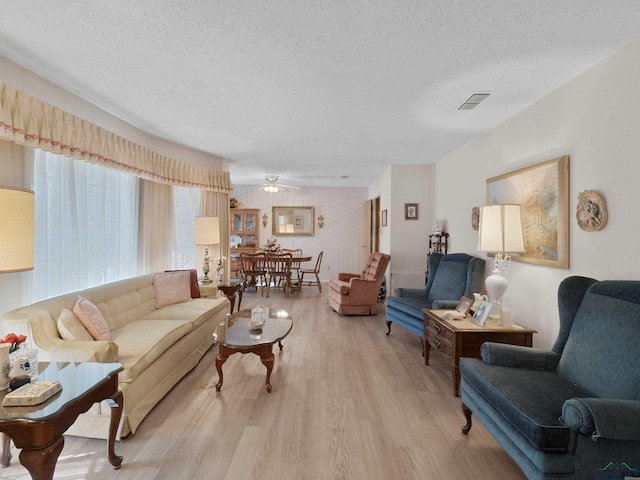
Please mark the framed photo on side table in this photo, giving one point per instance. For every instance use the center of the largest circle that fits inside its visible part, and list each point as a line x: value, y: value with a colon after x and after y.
x: 482, y: 313
x: 464, y: 305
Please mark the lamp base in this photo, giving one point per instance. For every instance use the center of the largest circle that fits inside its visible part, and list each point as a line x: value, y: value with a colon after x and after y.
x: 496, y: 287
x: 206, y: 281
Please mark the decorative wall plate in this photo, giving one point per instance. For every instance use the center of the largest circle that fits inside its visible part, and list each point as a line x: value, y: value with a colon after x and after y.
x: 475, y: 218
x: 591, y: 212
x: 235, y: 241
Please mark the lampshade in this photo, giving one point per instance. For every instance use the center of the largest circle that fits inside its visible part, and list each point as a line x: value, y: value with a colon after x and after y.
x: 500, y: 229
x: 207, y: 231
x: 16, y: 229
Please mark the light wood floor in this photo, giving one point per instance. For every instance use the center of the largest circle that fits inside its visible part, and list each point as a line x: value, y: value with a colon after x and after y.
x: 348, y: 402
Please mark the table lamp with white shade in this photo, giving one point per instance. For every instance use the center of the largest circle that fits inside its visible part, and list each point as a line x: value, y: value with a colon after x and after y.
x: 500, y: 233
x: 17, y: 229
x: 16, y: 247
x: 207, y: 232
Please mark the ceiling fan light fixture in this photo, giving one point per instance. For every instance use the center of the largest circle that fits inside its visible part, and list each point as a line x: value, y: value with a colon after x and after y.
x: 271, y: 189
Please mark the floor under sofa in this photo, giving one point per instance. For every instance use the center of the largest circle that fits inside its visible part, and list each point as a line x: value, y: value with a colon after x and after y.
x: 348, y: 402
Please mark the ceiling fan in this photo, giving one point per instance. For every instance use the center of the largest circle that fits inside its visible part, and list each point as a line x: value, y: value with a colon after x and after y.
x: 272, y: 185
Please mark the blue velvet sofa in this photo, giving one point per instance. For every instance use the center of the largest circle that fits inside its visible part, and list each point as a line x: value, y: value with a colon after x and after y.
x: 450, y: 277
x: 572, y: 412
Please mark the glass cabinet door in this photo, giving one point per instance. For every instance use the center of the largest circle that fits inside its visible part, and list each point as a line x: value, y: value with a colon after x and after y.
x: 250, y: 222
x: 237, y: 222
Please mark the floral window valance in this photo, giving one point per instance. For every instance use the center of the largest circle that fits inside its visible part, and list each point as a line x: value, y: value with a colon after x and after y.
x: 28, y: 121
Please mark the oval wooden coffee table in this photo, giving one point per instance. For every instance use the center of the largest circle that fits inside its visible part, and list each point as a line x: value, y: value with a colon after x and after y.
x: 239, y: 338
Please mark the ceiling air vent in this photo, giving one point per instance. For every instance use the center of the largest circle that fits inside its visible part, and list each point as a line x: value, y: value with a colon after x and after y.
x: 473, y: 101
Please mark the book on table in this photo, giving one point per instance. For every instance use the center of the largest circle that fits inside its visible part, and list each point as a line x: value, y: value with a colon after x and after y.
x: 31, y: 394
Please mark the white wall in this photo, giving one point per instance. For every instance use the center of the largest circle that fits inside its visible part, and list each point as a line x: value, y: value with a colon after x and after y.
x: 342, y: 237
x: 406, y: 240
x: 595, y: 119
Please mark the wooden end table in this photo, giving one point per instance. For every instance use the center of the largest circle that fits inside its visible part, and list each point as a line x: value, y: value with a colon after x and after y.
x: 463, y: 338
x: 230, y: 290
x: 38, y: 430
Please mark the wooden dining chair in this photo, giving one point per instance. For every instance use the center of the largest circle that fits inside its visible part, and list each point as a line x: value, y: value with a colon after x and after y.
x: 295, y: 266
x: 253, y: 271
x: 315, y: 271
x: 279, y: 271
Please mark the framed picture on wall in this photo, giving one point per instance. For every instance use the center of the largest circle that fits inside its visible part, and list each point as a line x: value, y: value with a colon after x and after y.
x: 542, y: 190
x: 411, y: 211
x: 383, y: 218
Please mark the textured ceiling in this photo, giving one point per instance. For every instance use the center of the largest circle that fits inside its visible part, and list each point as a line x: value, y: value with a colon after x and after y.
x: 313, y: 90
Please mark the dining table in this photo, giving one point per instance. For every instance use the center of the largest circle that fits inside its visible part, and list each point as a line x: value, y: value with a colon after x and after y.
x: 295, y: 260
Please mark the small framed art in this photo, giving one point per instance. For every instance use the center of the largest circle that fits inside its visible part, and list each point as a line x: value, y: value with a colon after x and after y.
x: 383, y: 218
x: 464, y: 305
x: 482, y: 313
x: 411, y: 211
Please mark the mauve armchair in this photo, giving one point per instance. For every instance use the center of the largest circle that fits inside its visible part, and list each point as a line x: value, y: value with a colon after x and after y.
x: 357, y: 294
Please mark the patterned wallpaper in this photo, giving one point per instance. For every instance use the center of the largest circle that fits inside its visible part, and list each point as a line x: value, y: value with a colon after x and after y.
x: 342, y: 236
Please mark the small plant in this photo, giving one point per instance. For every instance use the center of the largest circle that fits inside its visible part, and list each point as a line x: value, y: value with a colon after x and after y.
x: 14, y: 340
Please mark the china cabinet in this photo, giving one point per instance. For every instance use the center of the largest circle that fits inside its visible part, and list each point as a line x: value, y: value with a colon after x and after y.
x: 245, y: 235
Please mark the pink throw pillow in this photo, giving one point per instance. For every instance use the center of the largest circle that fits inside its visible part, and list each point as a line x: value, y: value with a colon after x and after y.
x: 91, y: 318
x: 172, y: 287
x: 195, y: 288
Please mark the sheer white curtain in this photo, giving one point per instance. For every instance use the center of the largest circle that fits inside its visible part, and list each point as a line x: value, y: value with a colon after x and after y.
x: 186, y: 203
x: 86, y: 225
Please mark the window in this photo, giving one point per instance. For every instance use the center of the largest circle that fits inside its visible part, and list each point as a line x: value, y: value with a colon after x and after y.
x: 86, y: 225
x: 186, y: 203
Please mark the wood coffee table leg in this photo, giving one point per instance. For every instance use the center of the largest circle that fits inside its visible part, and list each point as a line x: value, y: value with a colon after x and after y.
x: 41, y: 462
x: 239, y: 298
x: 116, y: 404
x: 220, y: 359
x: 266, y: 357
x: 5, y: 459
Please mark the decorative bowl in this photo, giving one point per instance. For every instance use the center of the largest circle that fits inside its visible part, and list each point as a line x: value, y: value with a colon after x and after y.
x: 256, y: 324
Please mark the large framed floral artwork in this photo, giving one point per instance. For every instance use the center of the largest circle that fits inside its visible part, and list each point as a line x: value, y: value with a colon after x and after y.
x: 542, y: 190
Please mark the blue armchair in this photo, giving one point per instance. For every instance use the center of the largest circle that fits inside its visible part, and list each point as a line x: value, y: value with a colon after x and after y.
x: 450, y: 277
x: 572, y: 412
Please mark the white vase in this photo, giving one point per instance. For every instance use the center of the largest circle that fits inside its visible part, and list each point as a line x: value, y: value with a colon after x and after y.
x: 4, y: 365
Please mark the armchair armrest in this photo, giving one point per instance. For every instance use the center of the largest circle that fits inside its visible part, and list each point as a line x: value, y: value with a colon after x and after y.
x: 444, y: 304
x: 603, y: 417
x: 345, y: 277
x: 363, y: 290
x: 518, y: 356
x: 84, y: 351
x: 411, y: 292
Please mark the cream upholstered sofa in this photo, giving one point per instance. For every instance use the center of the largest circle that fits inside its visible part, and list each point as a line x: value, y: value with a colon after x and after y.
x: 156, y: 346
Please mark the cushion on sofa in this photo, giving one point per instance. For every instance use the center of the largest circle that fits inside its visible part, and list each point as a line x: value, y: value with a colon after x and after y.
x: 197, y: 311
x: 141, y: 342
x: 172, y: 287
x: 70, y: 328
x: 91, y: 318
x: 531, y: 400
x: 193, y: 278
